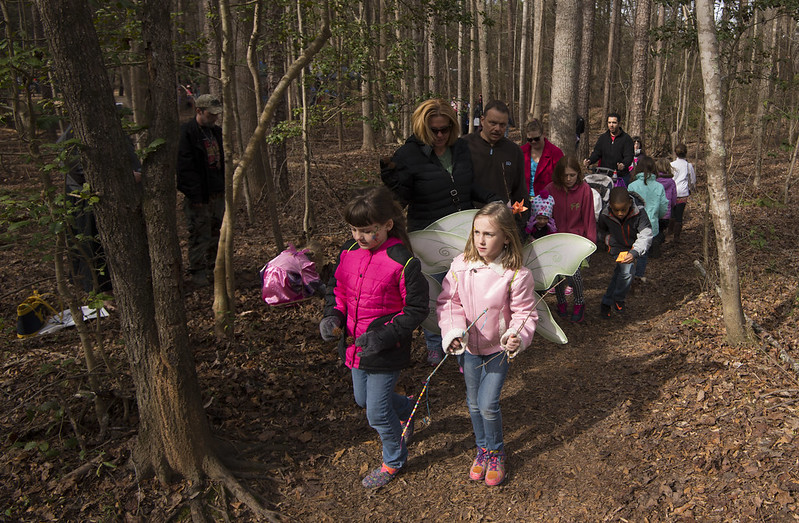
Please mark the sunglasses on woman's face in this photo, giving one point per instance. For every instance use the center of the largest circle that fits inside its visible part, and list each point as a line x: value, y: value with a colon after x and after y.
x: 439, y: 130
x: 535, y: 139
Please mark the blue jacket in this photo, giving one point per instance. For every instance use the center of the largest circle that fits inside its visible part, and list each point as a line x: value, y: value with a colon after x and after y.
x: 654, y: 195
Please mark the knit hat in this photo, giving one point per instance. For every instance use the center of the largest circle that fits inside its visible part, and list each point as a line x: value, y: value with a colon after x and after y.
x: 543, y: 204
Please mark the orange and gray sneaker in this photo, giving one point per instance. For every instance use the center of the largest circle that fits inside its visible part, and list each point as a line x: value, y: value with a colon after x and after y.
x: 495, y: 472
x: 478, y: 469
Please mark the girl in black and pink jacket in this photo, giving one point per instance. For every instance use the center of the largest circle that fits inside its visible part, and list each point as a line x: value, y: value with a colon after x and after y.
x: 375, y: 299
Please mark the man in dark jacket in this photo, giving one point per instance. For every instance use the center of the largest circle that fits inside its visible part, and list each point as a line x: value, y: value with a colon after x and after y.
x: 613, y: 149
x: 201, y: 179
x: 498, y: 162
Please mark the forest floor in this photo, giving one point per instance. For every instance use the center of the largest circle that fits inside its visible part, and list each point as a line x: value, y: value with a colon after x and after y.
x: 650, y: 416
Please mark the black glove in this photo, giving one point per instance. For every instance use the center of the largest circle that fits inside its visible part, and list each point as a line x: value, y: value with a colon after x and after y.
x: 370, y: 343
x: 327, y: 326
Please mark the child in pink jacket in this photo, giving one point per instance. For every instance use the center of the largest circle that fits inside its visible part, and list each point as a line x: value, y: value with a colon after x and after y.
x: 488, y: 286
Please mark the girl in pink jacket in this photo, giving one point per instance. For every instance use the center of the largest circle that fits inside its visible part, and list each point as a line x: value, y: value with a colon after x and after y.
x: 574, y: 213
x: 487, y: 285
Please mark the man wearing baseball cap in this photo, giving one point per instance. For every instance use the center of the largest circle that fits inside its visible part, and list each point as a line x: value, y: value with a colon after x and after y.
x: 201, y: 179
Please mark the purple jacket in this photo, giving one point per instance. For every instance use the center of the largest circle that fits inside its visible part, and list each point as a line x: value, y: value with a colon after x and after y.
x: 381, y: 290
x: 671, y: 193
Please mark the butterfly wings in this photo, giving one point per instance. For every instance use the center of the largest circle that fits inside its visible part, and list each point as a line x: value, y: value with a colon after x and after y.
x: 550, y: 256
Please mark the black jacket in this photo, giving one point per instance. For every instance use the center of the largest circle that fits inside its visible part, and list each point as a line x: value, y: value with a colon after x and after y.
x: 195, y: 179
x: 419, y: 181
x: 611, y: 152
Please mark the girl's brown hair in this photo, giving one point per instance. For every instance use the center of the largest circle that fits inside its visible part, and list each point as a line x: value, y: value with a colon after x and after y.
x: 569, y: 161
x: 664, y: 168
x: 377, y: 205
x: 501, y: 216
x: 646, y: 165
x: 420, y: 121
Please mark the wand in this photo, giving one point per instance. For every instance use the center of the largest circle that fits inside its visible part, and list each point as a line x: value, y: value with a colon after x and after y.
x: 427, y: 381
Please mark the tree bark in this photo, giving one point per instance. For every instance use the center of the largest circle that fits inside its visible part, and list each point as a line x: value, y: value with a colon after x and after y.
x: 137, y: 228
x: 538, y: 55
x: 610, y: 66
x: 640, y: 77
x: 368, y: 138
x: 764, y: 92
x: 715, y: 162
x: 482, y: 32
x: 585, y: 76
x: 525, y: 44
x: 565, y: 64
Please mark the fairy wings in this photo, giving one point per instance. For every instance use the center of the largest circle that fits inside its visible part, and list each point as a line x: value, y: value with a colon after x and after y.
x: 547, y: 258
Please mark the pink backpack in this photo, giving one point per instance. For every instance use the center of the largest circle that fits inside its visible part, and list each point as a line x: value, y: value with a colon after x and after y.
x: 290, y: 277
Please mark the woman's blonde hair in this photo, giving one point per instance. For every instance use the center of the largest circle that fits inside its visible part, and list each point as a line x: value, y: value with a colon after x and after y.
x: 420, y: 121
x: 501, y: 216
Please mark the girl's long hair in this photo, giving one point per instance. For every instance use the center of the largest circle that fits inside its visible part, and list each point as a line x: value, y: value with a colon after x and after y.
x: 377, y: 205
x: 501, y: 216
x: 664, y: 168
x: 559, y: 174
x: 646, y: 165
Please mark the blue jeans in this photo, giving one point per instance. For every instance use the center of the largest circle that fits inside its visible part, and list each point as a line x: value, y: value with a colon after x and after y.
x: 619, y: 283
x: 483, y: 387
x: 384, y: 410
x: 640, y: 265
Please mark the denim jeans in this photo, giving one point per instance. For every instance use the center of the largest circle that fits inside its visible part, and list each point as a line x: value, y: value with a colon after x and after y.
x: 619, y: 283
x: 384, y: 410
x: 483, y: 388
x: 640, y: 265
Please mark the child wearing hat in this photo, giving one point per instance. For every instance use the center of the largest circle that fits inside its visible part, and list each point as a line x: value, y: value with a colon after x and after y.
x: 541, y: 222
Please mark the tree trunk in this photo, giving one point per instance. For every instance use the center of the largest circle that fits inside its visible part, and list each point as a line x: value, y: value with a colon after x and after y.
x: 610, y: 66
x: 482, y: 32
x: 275, y: 51
x: 525, y: 44
x: 538, y: 55
x: 472, y: 65
x: 657, y: 90
x: 715, y: 161
x: 137, y: 228
x: 565, y: 64
x: 368, y: 143
x: 585, y: 76
x: 640, y: 76
x: 764, y: 92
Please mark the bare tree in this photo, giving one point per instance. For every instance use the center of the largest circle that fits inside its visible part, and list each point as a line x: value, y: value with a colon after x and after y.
x: 765, y: 91
x: 585, y: 73
x: 523, y: 68
x: 482, y: 31
x: 137, y: 227
x: 565, y: 64
x: 538, y: 55
x: 640, y: 77
x: 610, y: 65
x: 715, y: 161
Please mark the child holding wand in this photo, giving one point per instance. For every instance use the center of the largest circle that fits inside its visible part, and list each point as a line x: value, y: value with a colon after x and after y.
x: 379, y: 294
x: 488, y: 279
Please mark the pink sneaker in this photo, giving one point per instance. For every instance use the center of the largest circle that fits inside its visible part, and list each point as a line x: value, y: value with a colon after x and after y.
x: 495, y: 472
x: 478, y: 469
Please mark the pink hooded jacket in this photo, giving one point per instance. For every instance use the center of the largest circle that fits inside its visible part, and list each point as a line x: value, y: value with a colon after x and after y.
x: 471, y: 287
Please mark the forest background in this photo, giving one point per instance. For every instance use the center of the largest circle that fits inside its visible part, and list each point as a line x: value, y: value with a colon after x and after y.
x: 302, y: 82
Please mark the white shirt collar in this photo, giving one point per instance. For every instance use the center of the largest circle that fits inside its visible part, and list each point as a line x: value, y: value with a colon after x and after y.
x: 495, y: 265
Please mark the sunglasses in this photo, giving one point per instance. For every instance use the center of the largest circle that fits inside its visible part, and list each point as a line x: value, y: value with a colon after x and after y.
x: 531, y: 140
x: 440, y: 130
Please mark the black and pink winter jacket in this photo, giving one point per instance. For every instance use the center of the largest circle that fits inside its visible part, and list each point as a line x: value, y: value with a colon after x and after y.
x: 381, y: 290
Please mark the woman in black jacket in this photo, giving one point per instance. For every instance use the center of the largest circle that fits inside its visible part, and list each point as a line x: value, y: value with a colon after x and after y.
x: 432, y: 174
